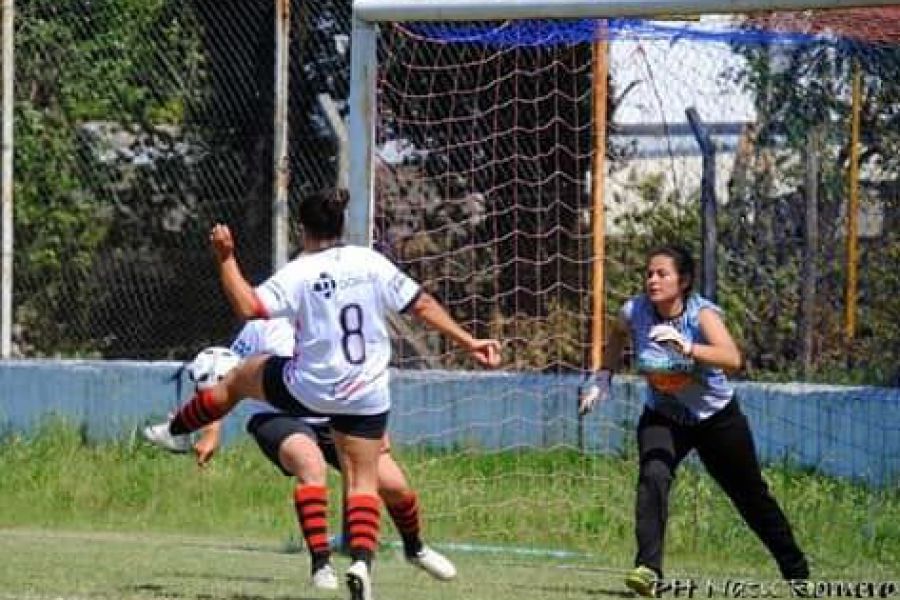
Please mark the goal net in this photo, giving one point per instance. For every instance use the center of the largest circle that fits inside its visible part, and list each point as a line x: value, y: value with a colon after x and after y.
x: 487, y: 136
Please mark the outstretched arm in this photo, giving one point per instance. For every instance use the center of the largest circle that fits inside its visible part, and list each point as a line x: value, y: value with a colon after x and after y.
x: 240, y: 294
x: 429, y: 310
x: 594, y: 389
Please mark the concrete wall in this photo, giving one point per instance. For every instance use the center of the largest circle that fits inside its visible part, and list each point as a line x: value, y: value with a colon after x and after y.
x: 851, y: 432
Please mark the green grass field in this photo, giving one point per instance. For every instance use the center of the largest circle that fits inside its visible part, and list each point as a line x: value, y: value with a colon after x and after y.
x: 120, y: 520
x: 42, y: 564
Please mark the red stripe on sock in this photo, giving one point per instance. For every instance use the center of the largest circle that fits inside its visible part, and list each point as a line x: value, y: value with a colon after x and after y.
x: 197, y: 412
x: 311, y: 504
x: 363, y: 522
x: 405, y: 514
x: 211, y: 410
x: 188, y: 416
x: 317, y: 543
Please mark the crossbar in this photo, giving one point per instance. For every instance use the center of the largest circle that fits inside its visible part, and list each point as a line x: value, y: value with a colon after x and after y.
x: 487, y: 10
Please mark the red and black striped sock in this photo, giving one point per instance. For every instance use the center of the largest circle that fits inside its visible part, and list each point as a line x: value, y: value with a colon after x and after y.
x: 405, y: 515
x: 363, y: 522
x: 199, y: 411
x: 311, y: 503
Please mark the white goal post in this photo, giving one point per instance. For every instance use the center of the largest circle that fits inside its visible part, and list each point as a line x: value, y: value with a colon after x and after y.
x: 368, y: 13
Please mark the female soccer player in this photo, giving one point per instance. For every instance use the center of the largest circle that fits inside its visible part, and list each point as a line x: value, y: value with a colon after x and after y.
x: 683, y: 349
x: 338, y: 298
x: 301, y: 447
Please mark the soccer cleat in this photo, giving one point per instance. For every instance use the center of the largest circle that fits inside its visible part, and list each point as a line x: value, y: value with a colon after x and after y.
x: 159, y: 435
x: 324, y: 578
x: 434, y: 563
x: 358, y: 581
x: 642, y: 581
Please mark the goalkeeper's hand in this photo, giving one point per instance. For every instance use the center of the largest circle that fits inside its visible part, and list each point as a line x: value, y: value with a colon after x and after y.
x: 669, y: 336
x: 593, y: 390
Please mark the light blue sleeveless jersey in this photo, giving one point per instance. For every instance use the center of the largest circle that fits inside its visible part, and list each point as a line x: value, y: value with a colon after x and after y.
x: 680, y: 388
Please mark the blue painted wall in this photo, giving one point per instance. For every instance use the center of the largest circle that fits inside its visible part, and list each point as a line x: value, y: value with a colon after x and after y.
x: 846, y: 431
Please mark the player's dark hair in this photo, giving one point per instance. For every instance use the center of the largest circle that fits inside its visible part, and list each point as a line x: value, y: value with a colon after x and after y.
x: 684, y: 263
x: 322, y: 213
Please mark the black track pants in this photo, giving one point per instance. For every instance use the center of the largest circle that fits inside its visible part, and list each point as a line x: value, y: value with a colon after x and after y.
x: 726, y: 448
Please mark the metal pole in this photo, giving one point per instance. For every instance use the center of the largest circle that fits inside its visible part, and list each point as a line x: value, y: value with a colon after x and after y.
x: 853, y: 213
x: 809, y: 270
x: 339, y: 129
x: 6, y: 174
x: 598, y: 213
x: 707, y: 201
x: 600, y: 76
x: 280, y: 212
x: 363, y: 61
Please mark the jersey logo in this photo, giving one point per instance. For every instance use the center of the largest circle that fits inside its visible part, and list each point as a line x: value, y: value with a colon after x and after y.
x: 669, y: 383
x: 242, y: 348
x: 324, y: 285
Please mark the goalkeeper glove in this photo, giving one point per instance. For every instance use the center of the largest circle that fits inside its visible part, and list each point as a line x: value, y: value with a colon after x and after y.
x: 593, y: 390
x: 669, y: 336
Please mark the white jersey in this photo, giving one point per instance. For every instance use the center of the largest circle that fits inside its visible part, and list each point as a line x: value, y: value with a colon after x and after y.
x: 270, y: 336
x: 338, y: 301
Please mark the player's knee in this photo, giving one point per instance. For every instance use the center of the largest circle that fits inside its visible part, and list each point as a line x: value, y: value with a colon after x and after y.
x: 310, y: 472
x: 392, y: 483
x: 303, y: 461
x: 392, y: 492
x: 656, y: 472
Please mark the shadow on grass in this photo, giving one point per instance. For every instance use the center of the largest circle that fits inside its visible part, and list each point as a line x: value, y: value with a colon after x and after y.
x: 161, y: 591
x: 566, y: 590
x: 220, y: 577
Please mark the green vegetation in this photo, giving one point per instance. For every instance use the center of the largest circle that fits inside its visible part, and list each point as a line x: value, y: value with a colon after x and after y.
x: 129, y: 134
x: 803, y: 101
x: 73, y: 73
x: 546, y: 500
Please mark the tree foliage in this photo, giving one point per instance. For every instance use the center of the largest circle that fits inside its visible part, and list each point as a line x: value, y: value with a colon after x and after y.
x: 799, y: 90
x: 138, y: 124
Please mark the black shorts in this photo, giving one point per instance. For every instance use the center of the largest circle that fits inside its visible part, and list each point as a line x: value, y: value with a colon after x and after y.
x: 370, y: 427
x: 271, y: 429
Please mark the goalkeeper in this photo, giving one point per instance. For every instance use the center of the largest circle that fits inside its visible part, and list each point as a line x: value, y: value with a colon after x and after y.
x: 683, y: 349
x: 300, y: 447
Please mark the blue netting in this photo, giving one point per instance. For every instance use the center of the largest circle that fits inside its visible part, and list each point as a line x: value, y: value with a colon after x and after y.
x: 552, y: 32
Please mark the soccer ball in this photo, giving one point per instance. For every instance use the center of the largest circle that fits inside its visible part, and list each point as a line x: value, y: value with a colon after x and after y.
x: 211, y: 365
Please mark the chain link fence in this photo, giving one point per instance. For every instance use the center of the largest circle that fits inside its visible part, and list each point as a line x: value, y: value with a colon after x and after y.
x: 138, y: 125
